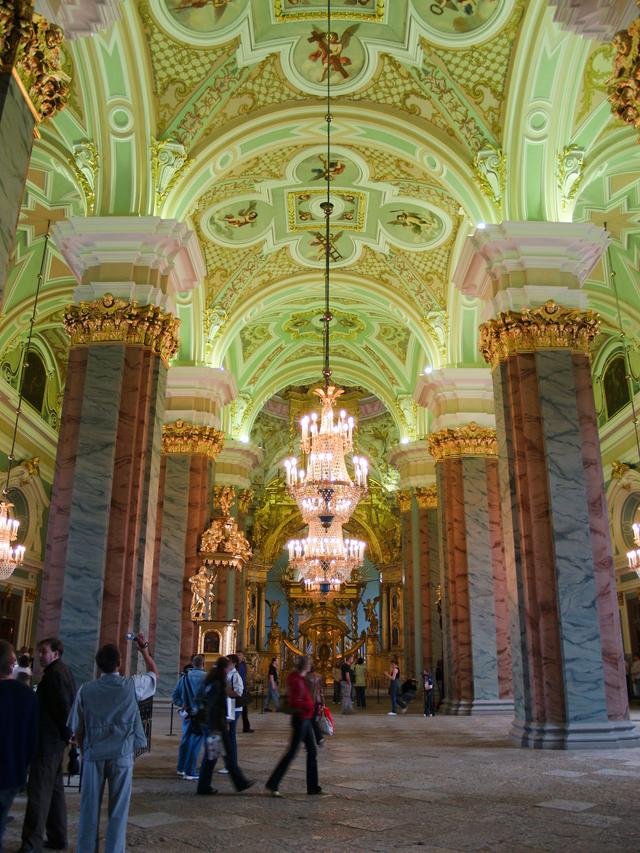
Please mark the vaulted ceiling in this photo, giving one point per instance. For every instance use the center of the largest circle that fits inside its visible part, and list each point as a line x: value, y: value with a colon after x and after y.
x: 446, y: 114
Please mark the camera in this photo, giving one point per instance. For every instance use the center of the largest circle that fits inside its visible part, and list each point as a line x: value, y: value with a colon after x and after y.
x: 131, y: 636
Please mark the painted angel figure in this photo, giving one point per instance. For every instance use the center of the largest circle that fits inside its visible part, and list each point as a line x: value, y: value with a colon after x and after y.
x: 414, y: 221
x: 330, y: 50
x: 330, y: 169
x: 244, y: 217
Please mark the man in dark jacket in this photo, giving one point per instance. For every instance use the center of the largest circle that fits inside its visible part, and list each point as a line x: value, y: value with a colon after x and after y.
x: 46, y: 807
x: 18, y: 721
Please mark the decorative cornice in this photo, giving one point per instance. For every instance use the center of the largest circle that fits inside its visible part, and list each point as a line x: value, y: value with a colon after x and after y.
x: 30, y: 46
x: 404, y: 501
x: 193, y: 439
x: 110, y: 320
x: 427, y: 497
x: 469, y: 440
x: 549, y: 326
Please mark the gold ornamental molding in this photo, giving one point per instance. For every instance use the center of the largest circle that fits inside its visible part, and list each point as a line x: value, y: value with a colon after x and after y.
x: 624, y: 83
x: 427, y: 497
x: 30, y: 50
x: 112, y: 320
x: 245, y: 496
x: 404, y: 501
x: 469, y: 440
x: 549, y: 326
x: 195, y: 440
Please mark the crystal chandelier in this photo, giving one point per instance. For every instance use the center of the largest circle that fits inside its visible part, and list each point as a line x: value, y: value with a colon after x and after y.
x: 633, y: 556
x: 11, y: 555
x: 322, y: 487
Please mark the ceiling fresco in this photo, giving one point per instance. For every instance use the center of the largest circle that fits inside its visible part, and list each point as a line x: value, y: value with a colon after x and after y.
x: 446, y: 114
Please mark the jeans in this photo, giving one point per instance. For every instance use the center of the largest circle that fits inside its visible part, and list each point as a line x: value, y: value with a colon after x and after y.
x: 273, y: 696
x: 192, y: 754
x: 361, y: 696
x: 182, y: 749
x: 394, y: 692
x: 117, y: 773
x: 207, y: 767
x: 7, y: 796
x: 46, y: 806
x: 232, y: 754
x: 301, y: 730
x: 428, y: 703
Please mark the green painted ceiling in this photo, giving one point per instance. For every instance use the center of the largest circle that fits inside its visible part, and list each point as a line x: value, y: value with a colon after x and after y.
x: 446, y: 114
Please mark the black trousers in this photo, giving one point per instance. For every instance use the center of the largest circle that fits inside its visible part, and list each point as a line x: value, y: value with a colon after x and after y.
x: 246, y: 725
x: 301, y: 730
x: 46, y: 806
x: 206, y: 769
x: 361, y: 697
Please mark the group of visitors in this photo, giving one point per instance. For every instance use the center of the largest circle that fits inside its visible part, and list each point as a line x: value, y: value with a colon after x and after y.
x: 211, y: 704
x: 402, y: 693
x: 102, y: 718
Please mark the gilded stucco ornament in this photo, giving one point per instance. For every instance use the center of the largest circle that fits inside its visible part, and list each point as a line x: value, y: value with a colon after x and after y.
x: 223, y: 498
x: 549, y: 326
x: 31, y: 46
x: 624, y: 83
x: 224, y: 544
x: 245, y: 496
x: 427, y: 497
x: 404, y: 501
x: 193, y: 439
x: 84, y: 160
x: 490, y: 166
x: 111, y: 320
x: 469, y: 440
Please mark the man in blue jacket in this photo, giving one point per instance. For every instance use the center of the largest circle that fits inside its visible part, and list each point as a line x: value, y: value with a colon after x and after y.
x: 18, y: 727
x: 185, y: 696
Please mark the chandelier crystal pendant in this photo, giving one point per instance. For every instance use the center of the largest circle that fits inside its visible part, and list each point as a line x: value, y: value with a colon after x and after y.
x: 11, y: 556
x: 322, y: 488
x: 633, y: 556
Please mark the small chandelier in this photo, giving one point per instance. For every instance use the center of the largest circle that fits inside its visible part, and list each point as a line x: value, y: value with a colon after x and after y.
x: 12, y: 556
x: 323, y: 490
x: 633, y: 556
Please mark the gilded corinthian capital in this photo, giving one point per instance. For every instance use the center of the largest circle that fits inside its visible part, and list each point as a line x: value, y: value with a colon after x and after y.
x: 549, y: 326
x: 427, y: 497
x: 111, y: 320
x: 181, y: 437
x: 469, y: 440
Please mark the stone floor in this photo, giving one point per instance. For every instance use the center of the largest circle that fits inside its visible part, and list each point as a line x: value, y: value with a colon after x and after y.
x: 401, y: 783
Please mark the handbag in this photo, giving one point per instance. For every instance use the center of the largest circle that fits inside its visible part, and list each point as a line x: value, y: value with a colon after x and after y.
x: 73, y: 764
x: 326, y: 725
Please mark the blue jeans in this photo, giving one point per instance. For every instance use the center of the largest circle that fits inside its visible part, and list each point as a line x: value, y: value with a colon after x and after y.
x: 273, y: 696
x: 117, y: 773
x: 7, y: 796
x: 182, y: 749
x: 192, y: 754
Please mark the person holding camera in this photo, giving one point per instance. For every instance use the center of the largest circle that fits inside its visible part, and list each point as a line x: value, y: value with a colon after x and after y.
x: 105, y: 720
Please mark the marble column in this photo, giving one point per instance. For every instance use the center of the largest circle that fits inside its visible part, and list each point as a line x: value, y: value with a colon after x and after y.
x: 184, y: 511
x: 568, y: 668
x: 25, y: 40
x: 427, y: 616
x: 476, y: 653
x: 98, y: 581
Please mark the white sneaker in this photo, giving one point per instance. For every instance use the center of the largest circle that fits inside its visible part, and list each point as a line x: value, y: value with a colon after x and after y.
x: 223, y: 771
x: 192, y: 778
x: 180, y: 773
x: 392, y: 714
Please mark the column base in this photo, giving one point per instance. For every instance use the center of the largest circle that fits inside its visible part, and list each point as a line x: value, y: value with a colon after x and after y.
x: 618, y: 734
x: 476, y: 707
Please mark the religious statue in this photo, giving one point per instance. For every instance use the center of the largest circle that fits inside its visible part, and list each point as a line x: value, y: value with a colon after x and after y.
x: 201, y: 594
x: 274, y: 609
x: 372, y: 616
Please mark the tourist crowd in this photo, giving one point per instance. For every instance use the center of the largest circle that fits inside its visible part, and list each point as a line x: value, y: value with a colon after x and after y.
x: 102, y: 719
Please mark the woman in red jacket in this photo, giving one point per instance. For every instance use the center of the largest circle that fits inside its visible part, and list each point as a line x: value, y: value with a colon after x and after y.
x: 302, y: 705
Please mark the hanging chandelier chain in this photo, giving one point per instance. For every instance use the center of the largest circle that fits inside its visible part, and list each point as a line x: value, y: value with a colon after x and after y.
x: 25, y: 361
x: 326, y: 319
